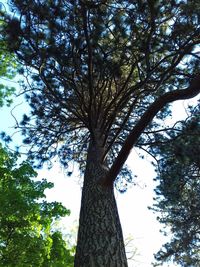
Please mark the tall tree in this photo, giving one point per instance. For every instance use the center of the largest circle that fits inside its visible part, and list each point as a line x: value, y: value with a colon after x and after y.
x: 178, y: 192
x: 26, y: 234
x: 97, y: 74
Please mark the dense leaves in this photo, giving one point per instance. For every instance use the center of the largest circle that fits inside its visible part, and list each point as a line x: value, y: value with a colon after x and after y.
x: 7, y: 71
x: 178, y: 192
x: 26, y: 234
x: 95, y: 67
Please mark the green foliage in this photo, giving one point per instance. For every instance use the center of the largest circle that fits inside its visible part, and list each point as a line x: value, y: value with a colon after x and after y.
x: 6, y: 93
x: 8, y: 69
x: 26, y: 235
x: 178, y: 192
x: 60, y: 256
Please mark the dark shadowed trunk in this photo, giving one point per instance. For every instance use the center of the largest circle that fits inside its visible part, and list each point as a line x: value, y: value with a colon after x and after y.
x: 100, y: 239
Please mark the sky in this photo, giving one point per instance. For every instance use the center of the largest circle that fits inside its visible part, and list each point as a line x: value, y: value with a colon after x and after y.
x: 138, y: 222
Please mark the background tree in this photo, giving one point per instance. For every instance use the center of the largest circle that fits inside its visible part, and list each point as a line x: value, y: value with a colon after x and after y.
x: 8, y: 69
x: 97, y: 74
x: 178, y: 192
x: 26, y: 234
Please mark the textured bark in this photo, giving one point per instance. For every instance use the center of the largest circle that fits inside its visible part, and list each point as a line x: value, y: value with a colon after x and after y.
x: 100, y: 239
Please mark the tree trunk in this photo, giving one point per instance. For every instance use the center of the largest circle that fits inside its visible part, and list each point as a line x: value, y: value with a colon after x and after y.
x: 100, y: 239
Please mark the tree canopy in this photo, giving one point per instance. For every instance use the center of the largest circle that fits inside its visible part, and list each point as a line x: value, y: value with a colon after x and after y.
x: 178, y: 192
x: 95, y: 67
x: 27, y: 237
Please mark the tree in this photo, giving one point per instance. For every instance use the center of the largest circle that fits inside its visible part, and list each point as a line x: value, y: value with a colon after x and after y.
x: 178, y: 192
x: 8, y: 70
x: 7, y: 67
x: 26, y: 235
x: 100, y: 76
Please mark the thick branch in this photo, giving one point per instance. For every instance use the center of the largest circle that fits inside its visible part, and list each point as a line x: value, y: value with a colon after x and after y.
x: 147, y: 117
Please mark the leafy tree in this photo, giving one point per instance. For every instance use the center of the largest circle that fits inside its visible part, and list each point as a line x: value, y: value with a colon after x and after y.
x: 60, y: 256
x: 26, y: 236
x: 178, y: 192
x: 8, y: 70
x: 99, y: 78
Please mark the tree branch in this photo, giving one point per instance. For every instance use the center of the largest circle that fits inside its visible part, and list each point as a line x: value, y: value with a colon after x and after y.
x: 192, y: 91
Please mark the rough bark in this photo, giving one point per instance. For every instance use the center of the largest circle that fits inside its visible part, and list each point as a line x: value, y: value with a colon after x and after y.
x: 100, y: 238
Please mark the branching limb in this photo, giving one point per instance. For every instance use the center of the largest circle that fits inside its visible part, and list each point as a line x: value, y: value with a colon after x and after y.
x: 192, y: 91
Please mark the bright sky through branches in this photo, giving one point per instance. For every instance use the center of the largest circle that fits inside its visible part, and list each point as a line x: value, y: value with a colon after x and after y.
x: 136, y: 219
